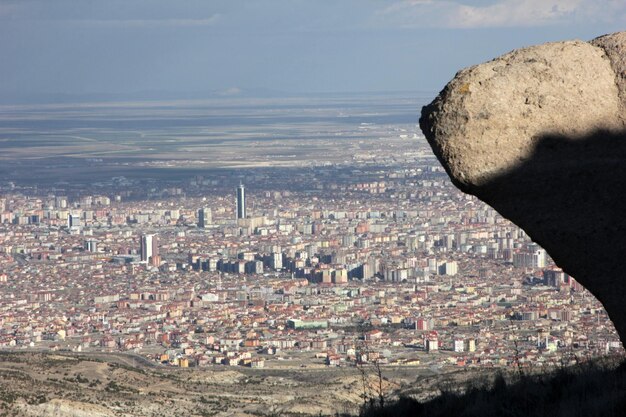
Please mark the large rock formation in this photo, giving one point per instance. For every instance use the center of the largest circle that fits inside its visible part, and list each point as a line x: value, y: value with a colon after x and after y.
x: 540, y: 135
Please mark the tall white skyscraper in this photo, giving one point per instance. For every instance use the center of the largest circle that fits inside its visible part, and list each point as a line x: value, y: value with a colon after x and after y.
x: 241, y: 202
x: 149, y: 247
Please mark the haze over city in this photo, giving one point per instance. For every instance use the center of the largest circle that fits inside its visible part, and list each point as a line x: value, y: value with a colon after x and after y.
x: 228, y: 208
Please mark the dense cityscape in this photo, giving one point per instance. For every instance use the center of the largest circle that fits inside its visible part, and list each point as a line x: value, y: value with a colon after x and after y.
x: 307, y: 209
x: 321, y: 266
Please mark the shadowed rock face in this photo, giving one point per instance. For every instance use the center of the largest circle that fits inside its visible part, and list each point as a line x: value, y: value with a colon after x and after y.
x: 540, y: 135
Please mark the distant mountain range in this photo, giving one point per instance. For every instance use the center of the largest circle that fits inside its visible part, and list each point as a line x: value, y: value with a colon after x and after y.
x: 13, y: 97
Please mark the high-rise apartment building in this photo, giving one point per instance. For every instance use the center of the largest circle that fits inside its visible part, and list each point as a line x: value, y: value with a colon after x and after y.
x: 241, y: 202
x: 531, y: 256
x: 73, y: 220
x: 205, y: 217
x: 91, y: 245
x: 276, y: 261
x: 149, y: 247
x: 60, y: 202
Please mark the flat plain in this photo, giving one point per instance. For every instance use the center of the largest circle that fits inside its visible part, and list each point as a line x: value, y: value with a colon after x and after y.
x: 94, y: 141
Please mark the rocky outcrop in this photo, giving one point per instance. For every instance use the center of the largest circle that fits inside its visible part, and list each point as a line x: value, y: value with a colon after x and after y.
x: 540, y: 135
x: 614, y: 46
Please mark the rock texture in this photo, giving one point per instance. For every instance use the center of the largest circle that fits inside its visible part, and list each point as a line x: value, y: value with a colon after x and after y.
x: 540, y: 135
x: 614, y: 46
x: 64, y: 408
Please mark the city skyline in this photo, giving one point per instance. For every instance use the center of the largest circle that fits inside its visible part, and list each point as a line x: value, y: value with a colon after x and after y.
x: 228, y: 207
x: 358, y: 253
x: 340, y: 269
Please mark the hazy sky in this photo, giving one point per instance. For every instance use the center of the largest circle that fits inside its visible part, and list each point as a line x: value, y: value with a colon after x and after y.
x: 110, y: 46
